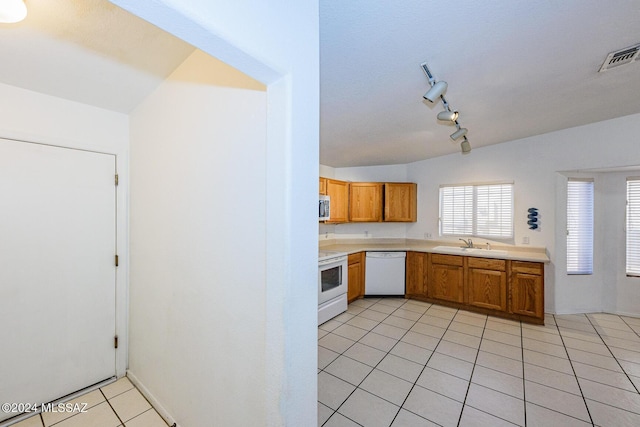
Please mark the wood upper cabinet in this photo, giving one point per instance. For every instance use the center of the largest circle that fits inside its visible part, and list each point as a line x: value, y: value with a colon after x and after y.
x: 370, y: 201
x: 446, y: 278
x: 365, y: 202
x: 338, y: 191
x: 527, y: 289
x: 355, y: 286
x: 416, y: 274
x: 400, y: 202
x: 487, y: 283
x: 323, y: 186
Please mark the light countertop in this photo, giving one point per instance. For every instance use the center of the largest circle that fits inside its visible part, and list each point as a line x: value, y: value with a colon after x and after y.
x: 518, y: 253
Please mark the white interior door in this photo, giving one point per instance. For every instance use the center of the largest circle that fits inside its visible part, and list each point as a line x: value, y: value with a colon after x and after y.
x: 57, y: 271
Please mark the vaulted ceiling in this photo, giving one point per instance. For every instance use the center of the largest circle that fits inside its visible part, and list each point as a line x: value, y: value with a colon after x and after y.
x: 514, y: 68
x: 88, y: 51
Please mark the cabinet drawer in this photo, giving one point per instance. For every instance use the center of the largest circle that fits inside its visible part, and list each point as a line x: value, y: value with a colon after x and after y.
x: 446, y: 259
x: 355, y: 258
x: 487, y: 263
x: 527, y: 267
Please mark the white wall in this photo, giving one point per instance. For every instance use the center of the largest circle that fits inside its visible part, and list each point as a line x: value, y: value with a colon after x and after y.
x: 532, y: 164
x: 620, y: 293
x: 278, y: 44
x: 198, y: 270
x: 30, y: 116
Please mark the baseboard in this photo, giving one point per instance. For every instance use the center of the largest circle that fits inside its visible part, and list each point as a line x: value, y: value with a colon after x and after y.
x: 576, y: 311
x: 594, y: 311
x: 152, y: 399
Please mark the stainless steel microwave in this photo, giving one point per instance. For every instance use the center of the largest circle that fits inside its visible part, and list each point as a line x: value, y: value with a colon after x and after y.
x: 324, y: 208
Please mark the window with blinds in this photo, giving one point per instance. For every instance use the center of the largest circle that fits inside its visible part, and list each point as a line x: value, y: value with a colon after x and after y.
x: 477, y: 210
x: 633, y: 226
x: 580, y: 226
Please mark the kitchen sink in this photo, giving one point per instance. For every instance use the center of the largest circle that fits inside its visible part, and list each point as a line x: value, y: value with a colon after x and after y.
x: 468, y: 251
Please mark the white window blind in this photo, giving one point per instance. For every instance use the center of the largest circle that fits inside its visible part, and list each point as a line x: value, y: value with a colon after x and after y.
x: 477, y: 210
x: 580, y: 226
x: 633, y: 226
x: 456, y: 210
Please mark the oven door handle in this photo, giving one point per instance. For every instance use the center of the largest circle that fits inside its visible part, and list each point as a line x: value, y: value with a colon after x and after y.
x: 332, y: 261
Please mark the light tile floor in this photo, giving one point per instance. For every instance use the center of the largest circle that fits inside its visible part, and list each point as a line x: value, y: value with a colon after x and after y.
x: 403, y: 363
x: 118, y: 404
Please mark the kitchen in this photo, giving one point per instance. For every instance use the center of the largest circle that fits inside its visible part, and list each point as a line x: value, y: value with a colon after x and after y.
x: 539, y: 167
x: 259, y: 44
x: 541, y: 184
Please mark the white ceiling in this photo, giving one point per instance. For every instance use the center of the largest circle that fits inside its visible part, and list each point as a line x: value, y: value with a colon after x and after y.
x: 514, y: 68
x: 88, y: 51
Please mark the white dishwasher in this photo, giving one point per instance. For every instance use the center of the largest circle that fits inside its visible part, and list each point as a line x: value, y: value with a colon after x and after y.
x: 384, y: 273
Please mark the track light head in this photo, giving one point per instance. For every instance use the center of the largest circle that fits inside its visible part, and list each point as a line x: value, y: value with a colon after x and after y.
x: 465, y: 146
x: 459, y: 133
x: 448, y: 116
x: 436, y: 91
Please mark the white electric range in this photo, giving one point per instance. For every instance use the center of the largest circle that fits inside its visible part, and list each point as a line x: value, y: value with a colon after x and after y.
x: 332, y: 284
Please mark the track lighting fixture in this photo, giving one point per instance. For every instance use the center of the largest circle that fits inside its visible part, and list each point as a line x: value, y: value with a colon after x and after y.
x: 448, y: 116
x: 459, y: 133
x: 437, y: 91
x: 465, y: 147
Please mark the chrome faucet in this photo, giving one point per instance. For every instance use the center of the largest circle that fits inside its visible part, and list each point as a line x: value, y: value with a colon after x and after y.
x: 469, y: 244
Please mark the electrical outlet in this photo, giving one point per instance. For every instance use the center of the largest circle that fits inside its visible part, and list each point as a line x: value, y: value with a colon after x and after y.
x: 427, y: 235
x: 366, y: 234
x: 525, y: 240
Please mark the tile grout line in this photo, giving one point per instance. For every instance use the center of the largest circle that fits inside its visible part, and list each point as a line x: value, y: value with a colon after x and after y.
x: 524, y: 382
x: 559, y: 327
x: 358, y: 386
x: 629, y: 326
x: 389, y: 352
x: 464, y: 402
x: 335, y: 411
x: 112, y: 408
x: 429, y: 358
x: 424, y: 367
x: 615, y: 358
x: 574, y: 371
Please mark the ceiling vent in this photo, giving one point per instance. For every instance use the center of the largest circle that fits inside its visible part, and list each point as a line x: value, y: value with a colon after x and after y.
x: 621, y: 57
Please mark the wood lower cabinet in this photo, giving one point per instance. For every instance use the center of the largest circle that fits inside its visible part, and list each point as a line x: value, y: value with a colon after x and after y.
x: 365, y: 202
x: 338, y: 191
x: 355, y: 286
x: 527, y: 289
x: 446, y: 278
x: 416, y: 274
x: 487, y: 283
x: 511, y: 289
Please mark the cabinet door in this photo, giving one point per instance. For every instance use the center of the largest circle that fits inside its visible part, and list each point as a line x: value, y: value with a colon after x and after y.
x: 487, y: 289
x: 400, y: 202
x: 416, y: 274
x: 446, y: 278
x: 338, y: 191
x: 355, y: 286
x: 527, y: 296
x: 365, y: 202
x: 323, y: 186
